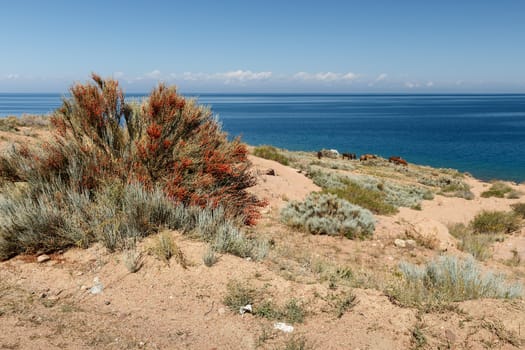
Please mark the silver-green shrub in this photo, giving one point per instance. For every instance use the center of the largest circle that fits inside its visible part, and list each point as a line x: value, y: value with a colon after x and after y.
x: 328, y: 214
x: 449, y: 279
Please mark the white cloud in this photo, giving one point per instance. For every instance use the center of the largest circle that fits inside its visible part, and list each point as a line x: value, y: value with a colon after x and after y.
x: 381, y: 77
x: 325, y: 76
x: 118, y: 75
x: 430, y: 84
x: 12, y: 76
x: 243, y: 75
x: 155, y: 74
x: 411, y: 85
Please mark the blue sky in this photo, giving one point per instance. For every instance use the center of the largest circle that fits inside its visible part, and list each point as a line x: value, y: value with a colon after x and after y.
x: 266, y: 46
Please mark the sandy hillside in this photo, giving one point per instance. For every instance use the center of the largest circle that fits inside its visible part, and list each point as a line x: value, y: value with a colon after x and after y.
x: 338, y: 286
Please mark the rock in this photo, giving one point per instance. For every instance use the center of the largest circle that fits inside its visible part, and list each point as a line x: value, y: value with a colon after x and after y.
x: 286, y: 328
x: 79, y: 273
x: 43, y: 258
x: 221, y: 311
x: 107, y: 302
x: 97, y: 287
x: 246, y: 309
x: 410, y: 243
x: 270, y: 172
x: 400, y: 243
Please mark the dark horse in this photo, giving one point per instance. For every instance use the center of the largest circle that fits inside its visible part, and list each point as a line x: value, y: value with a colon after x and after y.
x: 349, y: 156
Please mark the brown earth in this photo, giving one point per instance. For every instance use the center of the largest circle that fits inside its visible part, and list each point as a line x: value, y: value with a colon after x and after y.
x: 49, y: 306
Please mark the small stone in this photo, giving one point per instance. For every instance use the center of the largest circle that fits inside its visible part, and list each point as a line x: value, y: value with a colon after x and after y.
x: 43, y: 258
x: 42, y: 295
x: 451, y: 337
x: 107, y: 302
x: 83, y: 287
x: 400, y: 243
x: 222, y: 311
x: 270, y: 172
x: 79, y: 273
x: 411, y: 243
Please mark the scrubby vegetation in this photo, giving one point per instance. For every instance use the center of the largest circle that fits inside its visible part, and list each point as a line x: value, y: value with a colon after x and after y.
x: 380, y: 197
x: 478, y: 245
x: 449, y: 279
x: 498, y: 189
x: 328, y: 214
x: 272, y: 153
x: 450, y: 183
x: 519, y: 209
x: 116, y: 171
x: 495, y: 222
x: 13, y: 123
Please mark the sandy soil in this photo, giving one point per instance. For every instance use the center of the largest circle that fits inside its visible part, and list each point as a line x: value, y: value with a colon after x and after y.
x: 49, y: 305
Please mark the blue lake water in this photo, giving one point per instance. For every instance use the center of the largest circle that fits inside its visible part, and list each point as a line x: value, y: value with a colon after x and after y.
x: 481, y: 134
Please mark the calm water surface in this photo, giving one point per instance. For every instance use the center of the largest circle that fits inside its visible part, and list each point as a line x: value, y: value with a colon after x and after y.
x: 481, y: 134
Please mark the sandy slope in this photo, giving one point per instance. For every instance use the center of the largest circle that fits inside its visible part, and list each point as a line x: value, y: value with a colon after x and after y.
x: 167, y: 307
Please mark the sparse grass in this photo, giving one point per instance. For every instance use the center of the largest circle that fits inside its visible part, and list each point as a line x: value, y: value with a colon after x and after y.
x: 503, y: 334
x: 292, y: 311
x: 239, y: 294
x: 478, y: 245
x: 165, y: 248
x: 328, y: 214
x: 418, y: 336
x: 495, y: 222
x: 449, y: 279
x: 272, y: 153
x: 515, y: 260
x: 458, y: 189
x: 210, y: 258
x: 498, y: 189
x: 519, y: 209
x: 133, y: 259
x: 297, y: 343
x: 342, y: 302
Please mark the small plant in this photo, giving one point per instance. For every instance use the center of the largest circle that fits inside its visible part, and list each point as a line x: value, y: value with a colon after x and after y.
x: 133, y: 260
x: 498, y: 189
x: 327, y: 214
x: 342, y: 302
x: 449, y: 279
x: 418, y: 336
x: 297, y: 343
x: 478, y: 245
x: 293, y: 311
x: 238, y: 295
x: 210, y: 257
x: 519, y: 209
x: 272, y: 153
x: 165, y: 248
x: 494, y: 222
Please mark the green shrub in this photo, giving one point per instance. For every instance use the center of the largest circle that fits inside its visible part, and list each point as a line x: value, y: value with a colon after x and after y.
x: 327, y: 214
x: 363, y: 197
x: 498, y: 189
x: 495, y: 222
x: 449, y: 279
x: 478, y: 245
x: 380, y: 197
x: 272, y: 153
x: 519, y: 209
